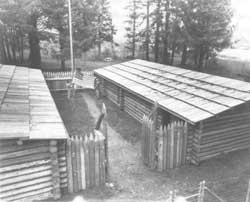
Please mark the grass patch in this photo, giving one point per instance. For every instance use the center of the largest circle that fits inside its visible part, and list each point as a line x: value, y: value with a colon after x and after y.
x: 74, y: 113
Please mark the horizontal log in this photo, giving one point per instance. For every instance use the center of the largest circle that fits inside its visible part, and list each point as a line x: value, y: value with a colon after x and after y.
x: 34, y: 197
x: 23, y: 152
x: 225, y: 148
x: 25, y: 183
x: 225, y: 130
x: 42, y: 192
x: 25, y: 171
x: 228, y: 150
x: 25, y: 159
x: 25, y: 146
x: 26, y: 177
x: 225, y: 135
x: 24, y: 165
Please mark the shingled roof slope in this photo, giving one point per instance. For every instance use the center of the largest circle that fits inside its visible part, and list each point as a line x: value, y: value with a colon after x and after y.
x: 190, y: 95
x: 27, y: 109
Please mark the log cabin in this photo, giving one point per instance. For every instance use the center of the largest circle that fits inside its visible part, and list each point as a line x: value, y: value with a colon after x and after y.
x: 216, y: 109
x: 32, y: 138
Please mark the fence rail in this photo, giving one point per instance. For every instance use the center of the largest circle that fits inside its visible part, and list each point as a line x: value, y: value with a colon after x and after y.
x: 58, y: 81
x: 164, y: 148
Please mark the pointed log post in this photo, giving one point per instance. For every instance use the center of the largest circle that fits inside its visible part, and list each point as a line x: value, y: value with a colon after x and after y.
x: 201, y: 192
x: 69, y: 166
x: 55, y: 169
x: 105, y: 133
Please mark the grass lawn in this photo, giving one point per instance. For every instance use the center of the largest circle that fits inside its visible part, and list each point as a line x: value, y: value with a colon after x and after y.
x: 49, y: 64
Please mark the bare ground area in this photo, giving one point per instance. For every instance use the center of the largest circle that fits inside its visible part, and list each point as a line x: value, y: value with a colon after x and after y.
x: 227, y: 175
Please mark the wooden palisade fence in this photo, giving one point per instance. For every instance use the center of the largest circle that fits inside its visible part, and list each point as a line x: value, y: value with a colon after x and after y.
x: 87, y: 166
x: 165, y: 147
x: 87, y: 158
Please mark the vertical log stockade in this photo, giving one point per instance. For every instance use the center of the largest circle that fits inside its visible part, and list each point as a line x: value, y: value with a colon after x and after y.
x: 87, y: 157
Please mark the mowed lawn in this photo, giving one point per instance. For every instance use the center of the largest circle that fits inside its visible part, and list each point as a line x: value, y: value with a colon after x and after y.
x: 49, y: 64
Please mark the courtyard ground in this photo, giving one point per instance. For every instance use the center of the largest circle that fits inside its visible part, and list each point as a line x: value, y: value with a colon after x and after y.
x: 130, y: 180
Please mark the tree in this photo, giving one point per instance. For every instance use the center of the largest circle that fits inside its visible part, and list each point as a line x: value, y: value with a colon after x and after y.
x: 105, y: 28
x: 147, y: 41
x: 35, y: 55
x: 207, y: 24
x: 55, y: 14
x: 158, y: 24
x: 12, y: 28
x: 134, y: 23
x: 166, y: 34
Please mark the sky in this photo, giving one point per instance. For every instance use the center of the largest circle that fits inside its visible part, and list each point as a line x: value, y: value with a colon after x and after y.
x: 241, y: 18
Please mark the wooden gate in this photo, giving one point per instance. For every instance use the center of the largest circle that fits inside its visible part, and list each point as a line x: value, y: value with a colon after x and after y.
x: 86, y: 161
x: 164, y: 148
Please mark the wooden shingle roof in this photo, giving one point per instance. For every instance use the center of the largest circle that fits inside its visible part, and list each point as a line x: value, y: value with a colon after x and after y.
x: 190, y: 95
x: 27, y: 109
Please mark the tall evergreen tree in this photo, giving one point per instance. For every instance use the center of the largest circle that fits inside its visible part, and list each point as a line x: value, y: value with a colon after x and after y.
x: 56, y: 17
x: 105, y: 28
x: 208, y: 26
x: 134, y: 7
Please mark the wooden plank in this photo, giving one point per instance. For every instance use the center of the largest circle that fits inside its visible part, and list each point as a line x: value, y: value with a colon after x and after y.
x: 165, y: 145
x: 69, y: 165
x: 83, y: 178
x: 74, y: 164
x: 86, y: 157
x: 102, y: 161
x: 171, y: 165
x: 92, y: 159
x: 97, y: 159
x: 160, y: 150
x: 78, y: 163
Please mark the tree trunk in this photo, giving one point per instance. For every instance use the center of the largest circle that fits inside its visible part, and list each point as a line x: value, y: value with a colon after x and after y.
x: 173, y: 52
x: 157, y: 31
x: 21, y: 49
x: 99, y: 49
x: 35, y: 55
x: 13, y: 45
x: 62, y: 56
x: 8, y: 50
x: 165, y: 49
x: 184, y: 55
x: 134, y: 30
x: 201, y: 58
x: 147, y: 32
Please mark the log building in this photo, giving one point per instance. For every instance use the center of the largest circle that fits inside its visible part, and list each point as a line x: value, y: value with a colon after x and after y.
x: 32, y: 137
x: 216, y: 109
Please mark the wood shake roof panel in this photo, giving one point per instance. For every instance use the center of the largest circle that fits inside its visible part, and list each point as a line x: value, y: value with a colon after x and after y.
x: 27, y: 109
x: 191, y: 95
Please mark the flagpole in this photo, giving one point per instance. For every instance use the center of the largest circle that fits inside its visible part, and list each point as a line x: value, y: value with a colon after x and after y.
x: 71, y: 39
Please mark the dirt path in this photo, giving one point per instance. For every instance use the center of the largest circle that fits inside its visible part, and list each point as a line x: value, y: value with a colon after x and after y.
x: 227, y: 175
x: 130, y: 177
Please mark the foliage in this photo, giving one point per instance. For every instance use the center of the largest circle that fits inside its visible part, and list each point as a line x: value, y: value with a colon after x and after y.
x: 192, y: 28
x: 134, y: 21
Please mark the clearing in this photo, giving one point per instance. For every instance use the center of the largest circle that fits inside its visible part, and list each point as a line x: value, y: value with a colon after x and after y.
x: 130, y: 180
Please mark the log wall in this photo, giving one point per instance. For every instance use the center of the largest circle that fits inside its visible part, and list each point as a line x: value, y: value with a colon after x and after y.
x: 227, y: 132
x: 135, y: 106
x: 26, y: 170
